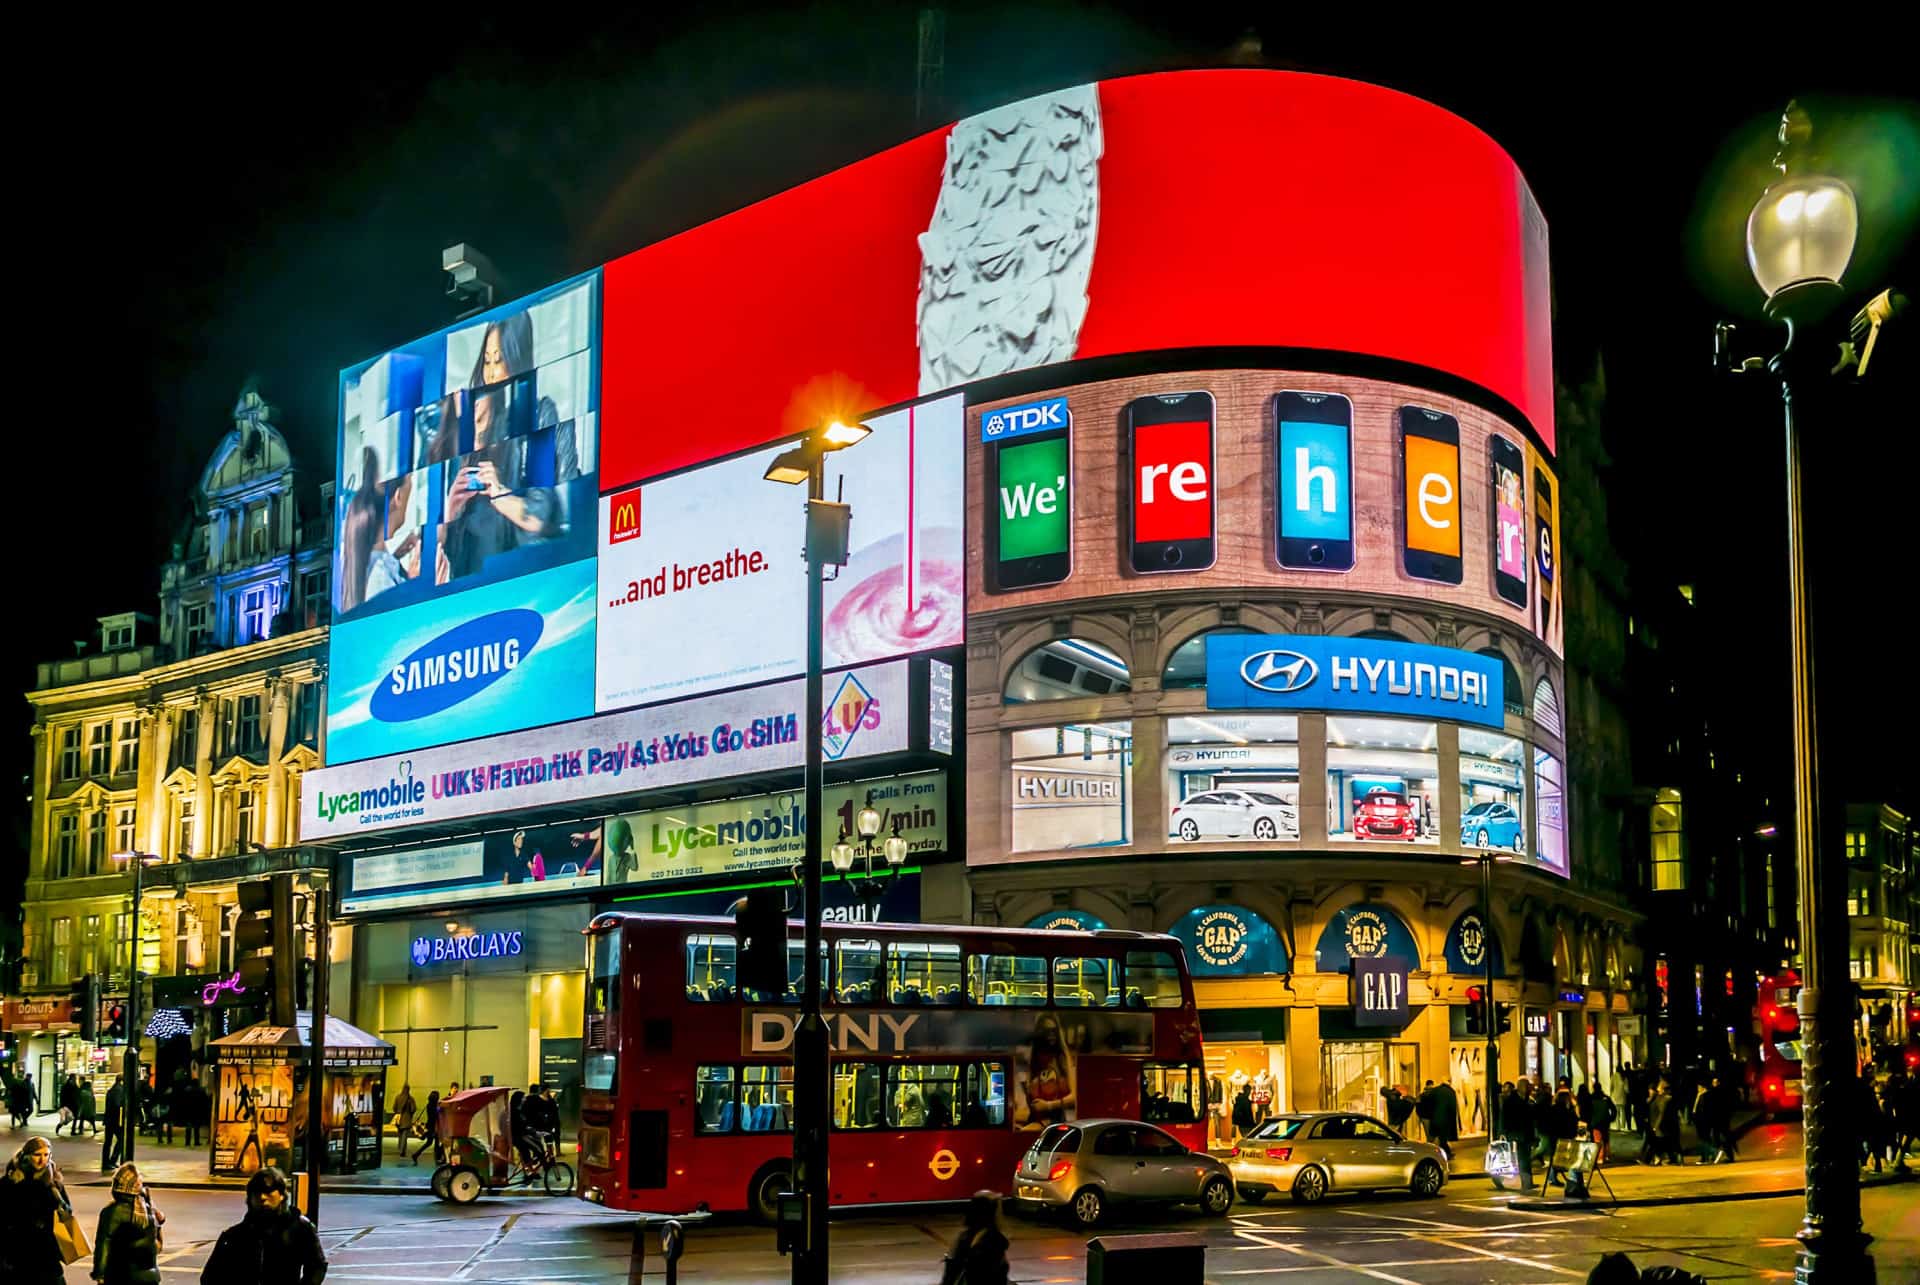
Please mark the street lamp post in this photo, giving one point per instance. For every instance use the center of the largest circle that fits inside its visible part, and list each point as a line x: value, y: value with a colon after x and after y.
x: 1492, y: 1088
x: 1800, y: 237
x: 130, y: 1110
x: 828, y: 523
x: 867, y: 823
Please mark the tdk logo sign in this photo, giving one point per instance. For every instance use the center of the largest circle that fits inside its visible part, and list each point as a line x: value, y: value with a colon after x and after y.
x: 1278, y: 671
x: 1288, y: 671
x: 462, y: 662
x: 1017, y: 421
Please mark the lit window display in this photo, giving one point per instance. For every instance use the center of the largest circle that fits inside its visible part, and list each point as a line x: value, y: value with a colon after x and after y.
x: 1383, y: 780
x: 1550, y: 821
x: 1493, y: 805
x: 1233, y: 777
x: 1070, y: 786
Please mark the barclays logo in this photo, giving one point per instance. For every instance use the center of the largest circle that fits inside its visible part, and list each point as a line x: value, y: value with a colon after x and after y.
x: 422, y: 951
x: 1278, y: 671
x: 460, y: 663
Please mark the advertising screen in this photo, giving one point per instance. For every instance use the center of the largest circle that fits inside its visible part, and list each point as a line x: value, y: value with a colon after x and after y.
x: 702, y: 577
x: 495, y: 867
x: 465, y: 530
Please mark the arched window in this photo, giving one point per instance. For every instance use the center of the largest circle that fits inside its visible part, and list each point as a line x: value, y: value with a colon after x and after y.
x: 1187, y: 667
x: 1546, y: 708
x: 1066, y: 668
x: 1509, y: 681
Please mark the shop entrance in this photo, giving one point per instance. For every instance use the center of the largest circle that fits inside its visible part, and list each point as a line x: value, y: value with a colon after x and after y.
x: 1353, y: 1074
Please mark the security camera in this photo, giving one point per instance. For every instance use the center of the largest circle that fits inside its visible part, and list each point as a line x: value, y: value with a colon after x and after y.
x: 470, y: 278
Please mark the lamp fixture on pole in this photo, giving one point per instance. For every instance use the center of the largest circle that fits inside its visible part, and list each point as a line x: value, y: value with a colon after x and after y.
x: 873, y: 885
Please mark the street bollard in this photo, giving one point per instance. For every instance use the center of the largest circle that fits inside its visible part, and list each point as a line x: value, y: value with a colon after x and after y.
x: 673, y: 1240
x: 1171, y: 1258
x: 637, y: 1257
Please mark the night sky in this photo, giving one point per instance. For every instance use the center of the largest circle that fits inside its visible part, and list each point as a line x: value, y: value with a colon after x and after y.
x: 273, y: 207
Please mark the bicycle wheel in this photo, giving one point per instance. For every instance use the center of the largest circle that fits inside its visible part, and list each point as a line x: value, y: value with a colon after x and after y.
x: 559, y: 1178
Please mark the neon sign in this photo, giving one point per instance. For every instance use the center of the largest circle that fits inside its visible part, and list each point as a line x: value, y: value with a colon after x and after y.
x: 211, y: 992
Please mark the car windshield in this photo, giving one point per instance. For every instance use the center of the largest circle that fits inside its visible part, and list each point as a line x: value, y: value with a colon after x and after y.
x: 1479, y: 809
x: 1284, y: 1126
x: 1382, y: 798
x: 1271, y: 800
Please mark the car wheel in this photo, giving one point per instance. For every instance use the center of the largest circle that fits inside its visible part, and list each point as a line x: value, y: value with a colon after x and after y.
x: 465, y: 1186
x: 1089, y: 1206
x: 1189, y: 829
x: 1311, y: 1186
x: 1216, y: 1197
x: 1264, y: 829
x: 1480, y: 840
x: 1426, y: 1179
x: 1253, y: 1195
x: 763, y: 1193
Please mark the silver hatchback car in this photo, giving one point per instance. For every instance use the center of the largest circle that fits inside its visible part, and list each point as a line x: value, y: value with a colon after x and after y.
x: 1091, y: 1165
x: 1310, y: 1155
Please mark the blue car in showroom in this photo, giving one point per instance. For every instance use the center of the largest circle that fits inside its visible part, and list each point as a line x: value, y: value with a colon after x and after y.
x: 1490, y: 825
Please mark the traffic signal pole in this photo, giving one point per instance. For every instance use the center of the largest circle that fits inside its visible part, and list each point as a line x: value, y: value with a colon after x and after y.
x: 317, y: 1053
x: 1493, y: 1009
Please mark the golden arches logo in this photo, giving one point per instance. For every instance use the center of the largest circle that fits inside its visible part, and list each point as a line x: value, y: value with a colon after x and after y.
x: 623, y: 516
x: 944, y: 1164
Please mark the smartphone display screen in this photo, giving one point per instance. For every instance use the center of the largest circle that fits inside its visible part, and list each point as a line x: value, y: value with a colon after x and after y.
x: 1314, y: 522
x: 1030, y: 478
x: 1508, y: 477
x: 1430, y: 469
x: 1543, y: 544
x: 1172, y: 475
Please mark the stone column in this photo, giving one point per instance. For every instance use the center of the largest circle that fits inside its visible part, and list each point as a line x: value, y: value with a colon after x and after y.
x: 1448, y: 748
x: 1313, y: 780
x: 273, y: 807
x: 209, y: 712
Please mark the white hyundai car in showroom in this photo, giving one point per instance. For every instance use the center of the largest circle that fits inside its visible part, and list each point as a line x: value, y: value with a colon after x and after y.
x: 1235, y: 814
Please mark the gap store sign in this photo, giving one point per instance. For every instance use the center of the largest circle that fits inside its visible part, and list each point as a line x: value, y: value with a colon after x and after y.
x: 1362, y: 675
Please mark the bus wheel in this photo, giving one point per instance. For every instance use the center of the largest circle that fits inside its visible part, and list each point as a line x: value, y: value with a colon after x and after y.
x: 1088, y: 1206
x: 763, y: 1193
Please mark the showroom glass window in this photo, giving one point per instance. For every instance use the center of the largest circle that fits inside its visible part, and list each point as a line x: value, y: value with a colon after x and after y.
x: 1233, y: 777
x: 1550, y: 812
x: 1493, y: 804
x: 1383, y: 781
x: 1070, y: 785
x: 1663, y: 823
x: 1066, y: 669
x: 1187, y: 667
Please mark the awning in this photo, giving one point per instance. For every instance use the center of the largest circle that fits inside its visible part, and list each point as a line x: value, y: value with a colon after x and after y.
x: 347, y: 1045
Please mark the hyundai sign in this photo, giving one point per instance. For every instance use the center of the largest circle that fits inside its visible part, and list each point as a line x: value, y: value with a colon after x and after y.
x: 1362, y: 675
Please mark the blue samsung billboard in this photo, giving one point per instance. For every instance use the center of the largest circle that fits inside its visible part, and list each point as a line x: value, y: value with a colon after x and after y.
x: 464, y: 594
x: 1364, y: 675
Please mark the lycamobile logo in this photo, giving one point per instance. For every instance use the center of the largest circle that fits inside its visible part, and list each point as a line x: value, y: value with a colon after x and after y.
x: 404, y: 790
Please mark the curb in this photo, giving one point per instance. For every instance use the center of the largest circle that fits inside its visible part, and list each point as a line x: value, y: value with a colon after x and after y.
x: 1703, y: 1198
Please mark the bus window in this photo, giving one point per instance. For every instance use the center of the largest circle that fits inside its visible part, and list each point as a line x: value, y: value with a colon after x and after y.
x: 1169, y: 1093
x: 713, y: 1106
x: 923, y: 972
x: 602, y: 1059
x: 766, y: 1099
x: 1152, y: 980
x: 921, y: 1097
x: 985, y: 1102
x: 856, y: 972
x: 857, y: 1092
x: 709, y: 968
x: 1019, y: 981
x: 796, y: 976
x: 1084, y: 983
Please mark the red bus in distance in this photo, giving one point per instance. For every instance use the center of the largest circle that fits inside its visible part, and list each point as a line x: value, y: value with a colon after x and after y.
x: 953, y: 1046
x: 1777, y: 1022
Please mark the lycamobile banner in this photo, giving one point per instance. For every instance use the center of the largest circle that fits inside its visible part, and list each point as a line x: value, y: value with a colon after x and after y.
x: 705, y: 739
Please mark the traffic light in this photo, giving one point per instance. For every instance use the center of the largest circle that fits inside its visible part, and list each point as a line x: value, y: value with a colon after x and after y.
x: 116, y: 1023
x: 760, y: 918
x: 89, y: 1001
x: 1476, y: 1011
x: 262, y: 944
x: 1504, y: 1012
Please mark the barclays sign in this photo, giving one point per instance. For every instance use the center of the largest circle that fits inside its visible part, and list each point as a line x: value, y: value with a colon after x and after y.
x: 1361, y: 675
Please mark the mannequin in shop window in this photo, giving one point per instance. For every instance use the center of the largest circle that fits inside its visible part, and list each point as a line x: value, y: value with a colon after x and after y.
x: 1217, y: 1110
x: 1263, y: 1087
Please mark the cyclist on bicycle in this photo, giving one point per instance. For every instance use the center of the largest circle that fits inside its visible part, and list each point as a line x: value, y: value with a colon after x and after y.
x: 542, y: 1118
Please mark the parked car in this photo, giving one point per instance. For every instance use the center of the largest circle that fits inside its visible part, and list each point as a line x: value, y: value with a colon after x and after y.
x: 1234, y: 814
x: 1490, y: 825
x: 1310, y: 1155
x: 1089, y: 1167
x: 1384, y: 813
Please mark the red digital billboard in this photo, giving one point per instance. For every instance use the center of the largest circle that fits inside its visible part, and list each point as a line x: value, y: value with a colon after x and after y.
x: 1177, y: 211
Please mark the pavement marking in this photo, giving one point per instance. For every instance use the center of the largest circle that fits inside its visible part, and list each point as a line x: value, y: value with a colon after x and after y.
x: 500, y: 1234
x: 1317, y: 1267
x: 1328, y: 1260
x: 1515, y: 1259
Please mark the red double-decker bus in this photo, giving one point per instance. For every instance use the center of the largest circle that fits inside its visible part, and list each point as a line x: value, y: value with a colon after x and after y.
x: 953, y: 1046
x: 1777, y: 1021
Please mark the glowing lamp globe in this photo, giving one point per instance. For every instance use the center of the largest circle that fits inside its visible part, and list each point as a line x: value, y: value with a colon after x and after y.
x: 1802, y: 230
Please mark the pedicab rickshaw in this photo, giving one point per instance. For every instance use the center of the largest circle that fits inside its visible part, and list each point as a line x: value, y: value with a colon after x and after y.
x: 476, y: 1138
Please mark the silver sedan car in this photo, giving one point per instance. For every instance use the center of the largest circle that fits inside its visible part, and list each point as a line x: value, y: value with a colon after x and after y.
x: 1090, y: 1166
x: 1310, y: 1155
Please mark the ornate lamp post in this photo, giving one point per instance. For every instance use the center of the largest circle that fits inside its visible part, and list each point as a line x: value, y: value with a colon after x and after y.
x: 867, y: 822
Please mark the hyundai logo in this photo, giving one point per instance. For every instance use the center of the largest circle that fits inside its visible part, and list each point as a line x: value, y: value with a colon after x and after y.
x: 1278, y: 671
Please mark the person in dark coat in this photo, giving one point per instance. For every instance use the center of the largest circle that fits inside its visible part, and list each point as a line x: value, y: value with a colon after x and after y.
x: 433, y: 1131
x: 69, y: 1107
x: 1243, y: 1111
x: 127, y: 1242
x: 1399, y: 1106
x: 1441, y: 1109
x: 274, y: 1242
x: 979, y: 1253
x: 116, y: 1124
x: 32, y: 1198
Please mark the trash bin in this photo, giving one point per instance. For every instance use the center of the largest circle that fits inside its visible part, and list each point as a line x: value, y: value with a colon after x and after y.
x: 1164, y: 1258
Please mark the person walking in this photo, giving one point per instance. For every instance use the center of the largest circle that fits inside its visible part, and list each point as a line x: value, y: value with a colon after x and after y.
x: 1905, y: 1101
x: 1667, y: 1125
x: 1872, y: 1120
x: 20, y: 1100
x: 1602, y: 1122
x: 69, y: 1106
x: 404, y: 1108
x: 1398, y: 1107
x: 1583, y: 1104
x: 433, y: 1131
x: 1443, y: 1117
x: 198, y: 1108
x: 89, y: 1110
x: 33, y: 1203
x: 979, y: 1253
x: 127, y: 1240
x: 273, y: 1242
x: 116, y: 1121
x: 1242, y: 1112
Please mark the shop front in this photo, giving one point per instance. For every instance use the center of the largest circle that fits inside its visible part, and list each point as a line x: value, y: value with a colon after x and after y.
x: 45, y: 1038
x: 1371, y: 1042
x: 1238, y: 963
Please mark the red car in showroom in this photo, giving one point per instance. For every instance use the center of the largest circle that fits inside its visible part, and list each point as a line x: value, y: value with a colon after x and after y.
x: 1384, y: 814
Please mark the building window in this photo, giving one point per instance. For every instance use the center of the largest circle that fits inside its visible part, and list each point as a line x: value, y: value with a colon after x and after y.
x: 1383, y: 781
x: 89, y: 945
x: 1233, y: 777
x: 100, y: 750
x: 1856, y: 845
x: 1493, y: 802
x: 122, y: 943
x: 1070, y: 786
x: 256, y: 613
x: 127, y: 760
x: 186, y: 740
x: 243, y: 815
x: 66, y: 838
x: 229, y: 915
x: 1773, y: 896
x: 183, y: 951
x: 197, y: 625
x: 60, y: 962
x: 97, y: 842
x: 314, y: 586
x: 70, y: 754
x: 123, y: 829
x: 1860, y: 896
x: 1669, y: 866
x: 257, y: 530
x: 306, y: 715
x: 29, y: 954
x: 183, y: 829
x: 1065, y: 669
x: 119, y: 637
x: 1863, y: 963
x: 223, y: 729
x: 248, y: 734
